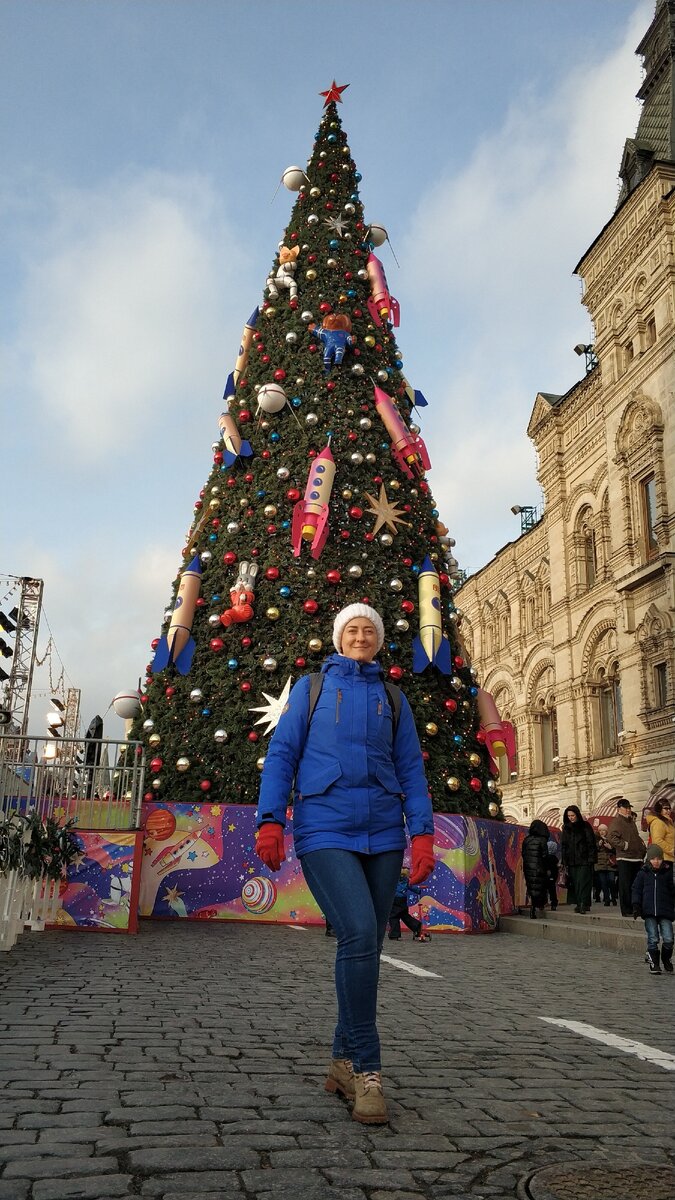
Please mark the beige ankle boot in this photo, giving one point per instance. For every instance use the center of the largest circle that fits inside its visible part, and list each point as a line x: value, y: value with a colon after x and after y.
x: 369, y: 1103
x: 340, y: 1078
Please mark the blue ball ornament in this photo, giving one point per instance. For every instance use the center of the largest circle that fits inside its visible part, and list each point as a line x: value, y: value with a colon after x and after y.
x: 285, y: 524
x: 398, y: 363
x: 473, y: 691
x: 296, y: 401
x: 233, y: 663
x: 206, y: 712
x: 458, y: 739
x: 384, y: 445
x: 224, y: 468
x: 358, y: 176
x: 215, y: 599
x: 285, y: 591
x: 275, y: 437
x: 393, y: 646
x: 354, y: 197
x: 415, y: 569
x: 261, y: 493
x: 351, y: 293
x: 334, y: 243
x: 332, y: 138
x: 434, y: 512
x: 213, y: 537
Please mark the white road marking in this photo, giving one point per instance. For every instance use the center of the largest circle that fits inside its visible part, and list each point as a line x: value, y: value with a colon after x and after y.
x: 404, y: 966
x: 298, y: 928
x: 628, y: 1045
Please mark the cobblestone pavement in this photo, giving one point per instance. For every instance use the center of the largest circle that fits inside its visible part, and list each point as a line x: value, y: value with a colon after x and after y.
x: 187, y: 1063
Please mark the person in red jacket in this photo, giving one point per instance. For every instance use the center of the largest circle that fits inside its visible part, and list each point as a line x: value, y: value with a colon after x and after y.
x: 357, y: 774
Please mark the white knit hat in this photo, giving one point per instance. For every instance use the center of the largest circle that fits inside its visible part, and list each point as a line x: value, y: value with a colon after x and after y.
x: 357, y: 610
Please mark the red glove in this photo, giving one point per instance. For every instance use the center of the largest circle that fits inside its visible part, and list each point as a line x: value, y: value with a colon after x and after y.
x: 269, y: 845
x: 423, y: 861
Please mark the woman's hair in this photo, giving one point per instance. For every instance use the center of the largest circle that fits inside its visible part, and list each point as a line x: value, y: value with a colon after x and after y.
x: 660, y: 806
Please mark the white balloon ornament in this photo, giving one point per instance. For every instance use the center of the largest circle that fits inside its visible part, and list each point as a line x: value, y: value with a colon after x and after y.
x: 293, y: 178
x: 377, y: 234
x: 127, y: 704
x: 271, y: 398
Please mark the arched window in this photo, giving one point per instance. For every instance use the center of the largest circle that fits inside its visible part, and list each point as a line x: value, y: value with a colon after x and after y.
x: 546, y: 602
x: 611, y: 713
x: 548, y: 735
x: 590, y: 559
x: 530, y: 613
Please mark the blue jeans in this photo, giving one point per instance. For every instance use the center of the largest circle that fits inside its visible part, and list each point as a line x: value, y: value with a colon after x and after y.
x: 355, y: 892
x: 655, y: 924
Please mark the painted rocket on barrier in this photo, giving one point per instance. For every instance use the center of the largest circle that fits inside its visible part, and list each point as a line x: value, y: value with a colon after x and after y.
x: 177, y: 648
x: 310, y: 515
x: 431, y: 647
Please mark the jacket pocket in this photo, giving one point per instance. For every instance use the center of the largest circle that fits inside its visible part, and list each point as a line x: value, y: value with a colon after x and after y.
x: 387, y: 777
x: 315, y: 780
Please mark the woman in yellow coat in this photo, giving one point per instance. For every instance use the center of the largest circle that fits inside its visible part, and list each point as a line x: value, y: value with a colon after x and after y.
x: 662, y: 829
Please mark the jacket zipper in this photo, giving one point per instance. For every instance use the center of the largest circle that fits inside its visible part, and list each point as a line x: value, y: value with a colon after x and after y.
x: 338, y: 702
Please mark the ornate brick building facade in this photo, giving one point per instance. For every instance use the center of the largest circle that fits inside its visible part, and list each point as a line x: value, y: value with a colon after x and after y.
x: 572, y: 626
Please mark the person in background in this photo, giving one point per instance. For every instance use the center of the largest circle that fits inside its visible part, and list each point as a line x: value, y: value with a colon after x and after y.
x: 653, y: 899
x: 359, y: 785
x: 629, y: 849
x: 535, y: 853
x: 603, y: 870
x: 552, y: 872
x: 400, y: 912
x: 579, y: 853
x: 662, y: 830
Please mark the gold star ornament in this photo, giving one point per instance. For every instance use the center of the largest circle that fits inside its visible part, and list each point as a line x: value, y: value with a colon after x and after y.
x: 387, y: 513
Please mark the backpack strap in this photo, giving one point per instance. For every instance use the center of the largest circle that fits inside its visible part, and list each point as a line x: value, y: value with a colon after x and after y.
x: 394, y: 694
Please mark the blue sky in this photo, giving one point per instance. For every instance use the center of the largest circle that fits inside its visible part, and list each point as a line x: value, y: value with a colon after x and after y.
x: 141, y: 146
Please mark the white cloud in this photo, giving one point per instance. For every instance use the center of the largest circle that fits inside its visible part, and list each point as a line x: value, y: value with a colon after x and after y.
x: 488, y: 261
x: 123, y: 311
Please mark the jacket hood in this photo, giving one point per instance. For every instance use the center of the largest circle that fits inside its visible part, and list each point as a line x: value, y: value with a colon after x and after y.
x: 538, y: 829
x: 572, y: 808
x: 342, y: 665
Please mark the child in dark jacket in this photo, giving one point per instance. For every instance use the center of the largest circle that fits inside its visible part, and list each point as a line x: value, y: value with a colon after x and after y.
x: 653, y: 899
x: 399, y: 910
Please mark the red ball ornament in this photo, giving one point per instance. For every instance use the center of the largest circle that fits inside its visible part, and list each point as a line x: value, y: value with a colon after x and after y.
x: 144, y: 699
x: 407, y: 606
x: 310, y: 606
x: 312, y: 453
x: 253, y: 736
x: 205, y: 785
x: 292, y: 494
x: 279, y: 375
x: 243, y: 383
x: 294, y: 237
x: 301, y: 662
x: 407, y: 562
x: 244, y: 416
x: 271, y: 529
x: 229, y: 558
x: 348, y: 275
x: 248, y: 478
x: 458, y: 660
x: 480, y: 737
x: 293, y: 304
x: 231, y: 482
x: 369, y: 537
x: 255, y: 552
x: 450, y: 705
x: 425, y: 756
x: 198, y: 505
x: 246, y: 642
x: 444, y: 579
x: 215, y: 524
x: 218, y: 458
x: 358, y: 312
x: 396, y: 673
x: 265, y: 359
x: 148, y: 796
x: 376, y: 478
x: 355, y: 512
x: 333, y: 576
x: 311, y: 258
x: 272, y: 573
x: 344, y: 534
x: 325, y: 307
x: 331, y: 385
x: 154, y: 643
x: 351, y: 436
x: 475, y: 783
x: 245, y: 687
x: 169, y: 692
x: 200, y: 602
x: 156, y: 765
x: 266, y: 454
x: 216, y: 644
x: 312, y: 347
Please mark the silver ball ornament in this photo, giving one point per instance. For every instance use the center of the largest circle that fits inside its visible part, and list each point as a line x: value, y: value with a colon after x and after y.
x: 233, y: 527
x: 362, y: 274
x: 356, y: 458
x: 355, y: 571
x: 220, y: 736
x: 306, y: 316
x: 402, y: 626
x: 396, y: 585
x: 148, y: 725
x: 214, y: 620
x: 206, y: 556
x: 196, y: 695
x: 311, y: 419
x: 382, y: 376
x: 365, y: 423
x: 182, y: 764
x: 386, y: 539
x: 350, y: 209
x: 312, y: 219
x: 371, y: 458
x: 291, y: 338
x: 283, y: 473
x: 358, y: 369
x: 269, y: 664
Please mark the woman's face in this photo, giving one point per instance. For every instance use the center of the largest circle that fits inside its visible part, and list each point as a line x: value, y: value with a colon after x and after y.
x: 359, y: 640
x: 571, y: 816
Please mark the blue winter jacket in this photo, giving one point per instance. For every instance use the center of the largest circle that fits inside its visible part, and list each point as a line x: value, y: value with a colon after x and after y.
x: 653, y: 892
x: 353, y: 781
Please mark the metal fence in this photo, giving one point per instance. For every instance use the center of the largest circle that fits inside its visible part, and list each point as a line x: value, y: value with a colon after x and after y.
x: 98, y: 784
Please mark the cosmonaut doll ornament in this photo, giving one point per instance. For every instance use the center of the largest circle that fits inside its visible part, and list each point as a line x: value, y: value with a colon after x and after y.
x: 285, y: 276
x: 336, y: 336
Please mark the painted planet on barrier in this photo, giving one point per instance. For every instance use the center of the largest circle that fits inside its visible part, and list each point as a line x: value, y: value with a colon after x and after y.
x: 258, y: 895
x: 160, y: 824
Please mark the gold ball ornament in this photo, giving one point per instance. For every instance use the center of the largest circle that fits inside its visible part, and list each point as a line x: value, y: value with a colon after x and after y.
x: 260, y: 762
x: 214, y: 504
x: 315, y: 645
x: 154, y: 739
x: 474, y: 759
x: 270, y: 510
x: 493, y: 809
x: 431, y: 728
x: 272, y: 614
x: 182, y: 764
x: 452, y: 783
x: 310, y: 275
x: 346, y: 495
x: 270, y: 312
x: 369, y: 340
x: 157, y: 783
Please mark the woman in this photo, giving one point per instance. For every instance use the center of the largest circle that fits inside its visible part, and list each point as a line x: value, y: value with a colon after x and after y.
x: 535, y: 865
x: 579, y: 853
x: 662, y: 830
x: 605, y: 872
x: 356, y: 773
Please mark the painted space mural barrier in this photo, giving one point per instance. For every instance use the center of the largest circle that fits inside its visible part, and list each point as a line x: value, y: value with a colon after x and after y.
x: 103, y: 884
x: 198, y: 863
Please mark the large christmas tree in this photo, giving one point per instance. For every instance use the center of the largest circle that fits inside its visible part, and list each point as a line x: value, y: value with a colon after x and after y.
x: 316, y: 498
